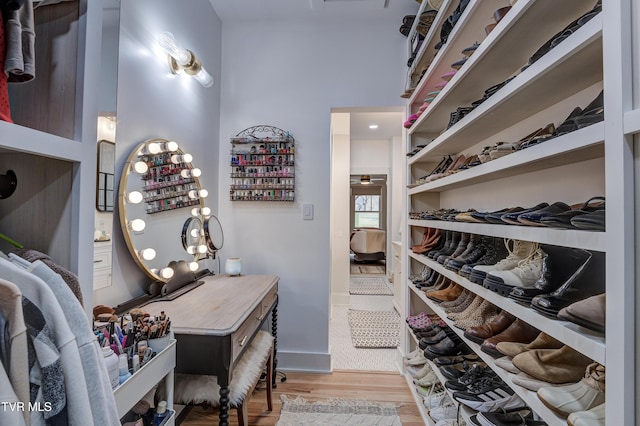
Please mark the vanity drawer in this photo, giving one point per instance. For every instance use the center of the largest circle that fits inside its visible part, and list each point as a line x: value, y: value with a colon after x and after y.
x: 250, y: 326
x: 241, y: 338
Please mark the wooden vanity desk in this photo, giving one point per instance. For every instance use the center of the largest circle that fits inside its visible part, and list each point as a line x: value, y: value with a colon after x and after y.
x: 214, y: 323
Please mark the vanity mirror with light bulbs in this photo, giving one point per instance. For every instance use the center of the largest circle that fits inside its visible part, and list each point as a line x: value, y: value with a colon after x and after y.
x: 161, y: 204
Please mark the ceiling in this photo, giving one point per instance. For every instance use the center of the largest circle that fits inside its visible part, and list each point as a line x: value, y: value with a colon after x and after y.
x: 389, y: 125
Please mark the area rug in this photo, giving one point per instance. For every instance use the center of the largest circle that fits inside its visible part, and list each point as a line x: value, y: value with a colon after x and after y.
x: 367, y: 269
x: 374, y: 329
x: 376, y: 286
x: 297, y: 411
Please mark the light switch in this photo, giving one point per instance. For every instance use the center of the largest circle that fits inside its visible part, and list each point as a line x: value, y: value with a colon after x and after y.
x: 307, y: 211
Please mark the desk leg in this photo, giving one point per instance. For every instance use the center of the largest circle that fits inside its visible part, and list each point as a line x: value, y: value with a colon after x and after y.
x: 224, y: 405
x: 274, y: 333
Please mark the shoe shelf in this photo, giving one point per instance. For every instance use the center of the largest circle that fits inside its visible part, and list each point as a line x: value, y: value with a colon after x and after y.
x: 573, y: 65
x: 419, y: 401
x: 530, y: 398
x: 24, y: 139
x: 506, y: 49
x: 587, y: 342
x: 632, y: 122
x: 425, y: 55
x: 588, y: 240
x: 581, y: 145
x: 468, y: 30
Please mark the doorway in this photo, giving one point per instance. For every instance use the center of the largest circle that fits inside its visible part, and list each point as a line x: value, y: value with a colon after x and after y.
x: 366, y: 176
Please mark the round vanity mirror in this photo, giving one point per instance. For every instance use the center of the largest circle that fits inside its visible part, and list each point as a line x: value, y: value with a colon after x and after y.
x: 213, y: 235
x: 159, y: 188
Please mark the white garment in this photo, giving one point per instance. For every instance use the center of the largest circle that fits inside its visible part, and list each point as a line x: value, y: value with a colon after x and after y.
x: 98, y: 385
x: 11, y: 307
x: 33, y: 288
x: 10, y: 414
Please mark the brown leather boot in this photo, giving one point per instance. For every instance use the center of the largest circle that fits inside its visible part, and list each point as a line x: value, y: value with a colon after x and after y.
x: 564, y: 365
x: 518, y: 331
x: 543, y: 341
x: 450, y: 293
x: 490, y: 329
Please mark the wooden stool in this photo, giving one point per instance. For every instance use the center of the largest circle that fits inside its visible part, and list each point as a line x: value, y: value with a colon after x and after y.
x: 194, y: 389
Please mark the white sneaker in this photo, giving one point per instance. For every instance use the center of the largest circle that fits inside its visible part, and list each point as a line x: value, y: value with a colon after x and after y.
x: 418, y: 360
x: 525, y: 274
x: 449, y: 422
x: 582, y: 396
x: 436, y: 400
x: 429, y: 380
x: 419, y: 374
x: 413, y: 354
x: 592, y: 417
x: 519, y: 251
x: 444, y: 412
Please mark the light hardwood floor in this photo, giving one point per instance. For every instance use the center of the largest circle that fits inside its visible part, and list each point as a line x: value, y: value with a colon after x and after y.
x: 373, y: 386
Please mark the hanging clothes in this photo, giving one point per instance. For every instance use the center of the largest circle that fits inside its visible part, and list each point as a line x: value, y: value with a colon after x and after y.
x: 69, y: 277
x: 18, y: 368
x: 53, y: 319
x: 5, y: 108
x: 8, y: 397
x: 20, y: 64
x: 103, y: 406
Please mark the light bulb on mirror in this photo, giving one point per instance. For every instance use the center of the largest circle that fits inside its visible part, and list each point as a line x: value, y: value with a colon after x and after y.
x: 184, y: 158
x: 140, y: 167
x: 192, y: 249
x: 203, y: 193
x: 137, y: 225
x: 193, y: 194
x: 195, y: 233
x: 135, y: 197
x: 205, y: 211
x: 202, y: 249
x: 166, y: 273
x: 193, y: 266
x: 170, y: 146
x: 154, y: 148
x: 147, y: 254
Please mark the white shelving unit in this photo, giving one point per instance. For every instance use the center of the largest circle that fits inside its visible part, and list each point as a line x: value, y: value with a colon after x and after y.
x: 139, y: 384
x: 596, y: 160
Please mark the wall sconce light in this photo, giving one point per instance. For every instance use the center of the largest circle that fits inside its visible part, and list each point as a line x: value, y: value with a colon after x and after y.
x: 365, y: 179
x: 181, y: 59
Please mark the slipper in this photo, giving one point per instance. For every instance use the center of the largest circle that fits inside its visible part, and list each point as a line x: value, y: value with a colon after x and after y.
x: 447, y: 76
x: 468, y: 51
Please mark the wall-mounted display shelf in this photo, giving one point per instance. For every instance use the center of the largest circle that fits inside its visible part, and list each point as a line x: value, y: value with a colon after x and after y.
x: 262, y: 165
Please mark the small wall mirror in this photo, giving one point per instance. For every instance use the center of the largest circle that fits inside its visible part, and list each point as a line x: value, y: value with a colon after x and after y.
x: 105, y: 182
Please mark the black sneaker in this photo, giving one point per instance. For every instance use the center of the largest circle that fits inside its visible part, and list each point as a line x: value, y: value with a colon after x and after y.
x: 489, y: 394
x: 475, y: 373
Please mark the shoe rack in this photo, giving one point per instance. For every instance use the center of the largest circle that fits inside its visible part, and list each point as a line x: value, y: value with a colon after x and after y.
x: 594, y: 160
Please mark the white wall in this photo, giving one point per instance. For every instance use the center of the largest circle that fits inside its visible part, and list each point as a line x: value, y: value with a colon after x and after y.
x: 290, y: 74
x: 152, y: 103
x: 370, y: 155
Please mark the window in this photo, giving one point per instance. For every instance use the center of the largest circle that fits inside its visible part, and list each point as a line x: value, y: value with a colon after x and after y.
x: 367, y: 211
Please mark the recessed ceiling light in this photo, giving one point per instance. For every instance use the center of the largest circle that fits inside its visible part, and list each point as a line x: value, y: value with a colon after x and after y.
x: 373, y: 126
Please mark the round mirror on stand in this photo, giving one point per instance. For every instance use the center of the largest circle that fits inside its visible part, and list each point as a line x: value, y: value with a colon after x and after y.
x: 159, y: 187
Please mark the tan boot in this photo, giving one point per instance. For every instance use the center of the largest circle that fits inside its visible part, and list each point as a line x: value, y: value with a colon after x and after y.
x: 450, y: 293
x: 564, y: 365
x: 543, y: 341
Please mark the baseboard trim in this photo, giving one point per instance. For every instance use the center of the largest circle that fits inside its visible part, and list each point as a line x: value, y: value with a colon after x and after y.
x: 304, y: 361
